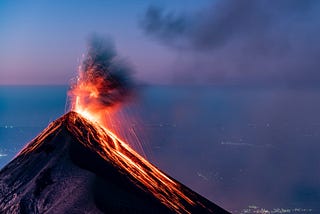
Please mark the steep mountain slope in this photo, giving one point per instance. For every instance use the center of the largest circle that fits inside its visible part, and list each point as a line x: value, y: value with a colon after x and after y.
x: 76, y: 166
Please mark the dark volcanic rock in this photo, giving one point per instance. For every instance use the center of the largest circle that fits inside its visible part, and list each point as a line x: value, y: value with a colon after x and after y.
x: 58, y: 173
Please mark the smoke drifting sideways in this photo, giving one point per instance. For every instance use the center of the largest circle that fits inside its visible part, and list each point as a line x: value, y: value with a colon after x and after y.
x: 103, y: 81
x: 246, y: 41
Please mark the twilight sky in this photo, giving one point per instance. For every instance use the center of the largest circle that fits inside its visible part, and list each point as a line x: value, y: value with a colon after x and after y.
x: 166, y: 41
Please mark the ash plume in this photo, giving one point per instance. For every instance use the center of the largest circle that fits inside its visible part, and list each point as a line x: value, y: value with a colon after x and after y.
x: 104, y: 80
x: 225, y: 20
x: 249, y: 41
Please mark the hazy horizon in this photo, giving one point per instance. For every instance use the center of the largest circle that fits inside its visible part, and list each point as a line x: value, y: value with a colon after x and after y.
x: 236, y: 147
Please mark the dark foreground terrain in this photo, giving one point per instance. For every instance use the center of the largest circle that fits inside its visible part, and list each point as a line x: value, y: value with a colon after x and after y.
x: 63, y: 171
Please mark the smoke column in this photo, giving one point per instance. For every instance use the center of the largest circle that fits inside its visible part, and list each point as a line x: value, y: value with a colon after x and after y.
x: 103, y: 81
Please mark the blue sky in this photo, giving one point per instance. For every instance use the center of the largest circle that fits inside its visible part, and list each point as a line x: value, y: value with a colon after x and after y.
x: 169, y: 41
x: 42, y: 41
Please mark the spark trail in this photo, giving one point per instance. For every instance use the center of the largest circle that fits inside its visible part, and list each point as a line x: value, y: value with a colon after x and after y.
x: 101, y: 86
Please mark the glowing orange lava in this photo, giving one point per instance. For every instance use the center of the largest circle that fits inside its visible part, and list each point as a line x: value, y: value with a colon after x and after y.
x: 149, y: 178
x: 120, y: 153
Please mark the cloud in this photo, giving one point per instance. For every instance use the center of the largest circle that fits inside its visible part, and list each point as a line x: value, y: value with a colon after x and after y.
x: 256, y: 41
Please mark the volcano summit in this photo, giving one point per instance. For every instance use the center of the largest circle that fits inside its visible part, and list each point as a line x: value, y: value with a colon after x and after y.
x: 76, y: 166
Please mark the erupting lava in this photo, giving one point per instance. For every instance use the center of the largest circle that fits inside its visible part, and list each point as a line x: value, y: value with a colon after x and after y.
x: 95, y: 94
x: 121, y: 155
x: 150, y: 178
x: 102, y: 83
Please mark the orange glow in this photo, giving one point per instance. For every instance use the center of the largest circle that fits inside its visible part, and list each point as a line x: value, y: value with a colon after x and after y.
x: 120, y: 154
x: 84, y: 101
x: 116, y: 152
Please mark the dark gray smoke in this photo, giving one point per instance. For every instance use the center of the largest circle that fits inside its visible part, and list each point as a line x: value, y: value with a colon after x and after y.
x: 170, y: 28
x: 104, y: 80
x: 247, y: 40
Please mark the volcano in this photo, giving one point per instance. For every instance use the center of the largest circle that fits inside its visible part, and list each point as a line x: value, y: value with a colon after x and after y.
x: 76, y: 166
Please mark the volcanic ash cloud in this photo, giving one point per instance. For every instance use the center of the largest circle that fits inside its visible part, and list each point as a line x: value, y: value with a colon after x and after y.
x: 103, y: 80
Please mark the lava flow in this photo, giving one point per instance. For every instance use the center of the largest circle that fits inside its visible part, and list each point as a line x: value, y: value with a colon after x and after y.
x: 96, y: 93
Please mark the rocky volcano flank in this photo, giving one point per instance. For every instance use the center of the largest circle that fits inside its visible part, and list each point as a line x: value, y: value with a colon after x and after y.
x: 75, y: 166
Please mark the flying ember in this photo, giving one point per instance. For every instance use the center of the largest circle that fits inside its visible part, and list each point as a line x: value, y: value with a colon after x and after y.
x: 102, y: 84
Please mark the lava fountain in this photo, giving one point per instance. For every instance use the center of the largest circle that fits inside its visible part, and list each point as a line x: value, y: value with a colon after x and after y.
x: 101, y: 86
